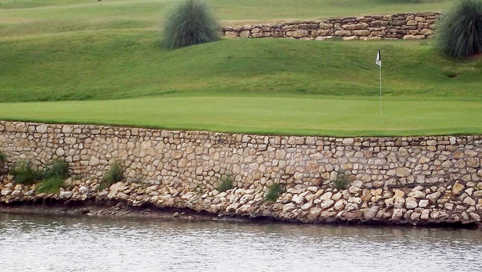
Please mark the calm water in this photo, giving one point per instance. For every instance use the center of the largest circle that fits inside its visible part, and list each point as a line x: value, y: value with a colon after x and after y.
x: 35, y: 243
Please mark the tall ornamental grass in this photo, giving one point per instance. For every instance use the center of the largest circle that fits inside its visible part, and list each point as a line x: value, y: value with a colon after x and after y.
x: 460, y: 30
x: 190, y: 23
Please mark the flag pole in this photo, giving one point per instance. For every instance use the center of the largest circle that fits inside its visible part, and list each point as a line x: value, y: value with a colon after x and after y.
x: 380, y: 81
x: 380, y: 102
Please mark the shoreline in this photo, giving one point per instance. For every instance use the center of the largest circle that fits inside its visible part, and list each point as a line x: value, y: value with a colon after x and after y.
x: 120, y: 209
x: 321, y: 180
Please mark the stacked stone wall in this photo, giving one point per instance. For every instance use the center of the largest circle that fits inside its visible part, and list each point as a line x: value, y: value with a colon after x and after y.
x: 406, y: 26
x: 400, y: 180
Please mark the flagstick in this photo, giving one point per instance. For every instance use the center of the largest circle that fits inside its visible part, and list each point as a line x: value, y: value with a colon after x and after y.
x: 380, y: 95
x: 380, y: 81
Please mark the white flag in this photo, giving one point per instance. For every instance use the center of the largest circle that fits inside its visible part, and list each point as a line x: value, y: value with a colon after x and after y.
x: 379, y: 59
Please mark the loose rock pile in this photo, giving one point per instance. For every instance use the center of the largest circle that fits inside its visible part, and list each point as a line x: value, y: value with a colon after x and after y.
x: 406, y: 26
x: 455, y: 203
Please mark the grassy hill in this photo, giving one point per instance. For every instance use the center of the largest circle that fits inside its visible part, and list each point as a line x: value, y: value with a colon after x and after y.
x: 113, y: 65
x: 31, y: 17
x: 101, y: 63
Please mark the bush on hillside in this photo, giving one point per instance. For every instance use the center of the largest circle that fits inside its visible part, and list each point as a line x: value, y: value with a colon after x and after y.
x: 190, y: 23
x: 460, y: 30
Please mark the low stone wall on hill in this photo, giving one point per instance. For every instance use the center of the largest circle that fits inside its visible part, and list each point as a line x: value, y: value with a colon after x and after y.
x: 399, y: 180
x: 406, y: 26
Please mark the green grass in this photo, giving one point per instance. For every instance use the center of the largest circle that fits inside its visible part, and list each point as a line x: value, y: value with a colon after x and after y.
x: 113, y: 175
x: 315, y: 115
x: 342, y: 180
x: 117, y: 65
x: 50, y: 185
x: 20, y: 17
x: 102, y: 63
x: 226, y: 183
x: 274, y: 191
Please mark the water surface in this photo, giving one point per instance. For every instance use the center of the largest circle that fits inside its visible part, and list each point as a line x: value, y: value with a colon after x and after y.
x: 40, y: 243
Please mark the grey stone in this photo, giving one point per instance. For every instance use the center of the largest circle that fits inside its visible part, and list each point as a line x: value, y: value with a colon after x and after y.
x: 411, y: 203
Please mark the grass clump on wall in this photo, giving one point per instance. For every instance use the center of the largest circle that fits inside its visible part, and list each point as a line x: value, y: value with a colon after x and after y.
x: 274, y: 191
x: 225, y: 184
x: 58, y: 168
x: 25, y: 174
x: 3, y: 158
x: 49, y: 180
x: 190, y: 23
x: 50, y: 185
x: 53, y: 177
x: 115, y: 174
x: 3, y: 161
x: 342, y: 181
x: 460, y: 30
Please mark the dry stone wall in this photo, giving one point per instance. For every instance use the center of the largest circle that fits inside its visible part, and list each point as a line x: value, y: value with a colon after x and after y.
x: 400, y: 180
x: 406, y: 26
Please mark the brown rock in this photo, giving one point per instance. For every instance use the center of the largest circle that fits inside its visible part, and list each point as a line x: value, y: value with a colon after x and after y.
x: 402, y: 172
x: 457, y: 188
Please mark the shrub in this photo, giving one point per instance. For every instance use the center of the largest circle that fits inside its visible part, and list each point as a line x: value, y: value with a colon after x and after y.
x: 460, y: 30
x: 24, y: 173
x: 58, y: 168
x: 50, y: 185
x: 226, y: 184
x: 341, y: 181
x: 115, y: 174
x: 190, y: 23
x: 274, y: 191
x: 3, y: 158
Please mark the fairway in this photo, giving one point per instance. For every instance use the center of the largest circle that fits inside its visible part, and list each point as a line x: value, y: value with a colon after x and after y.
x: 100, y: 62
x: 264, y: 115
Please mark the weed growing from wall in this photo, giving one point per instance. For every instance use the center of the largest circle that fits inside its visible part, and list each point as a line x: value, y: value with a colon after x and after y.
x: 342, y: 180
x: 50, y: 185
x: 3, y: 158
x: 24, y: 173
x: 274, y: 191
x: 115, y: 174
x: 225, y: 184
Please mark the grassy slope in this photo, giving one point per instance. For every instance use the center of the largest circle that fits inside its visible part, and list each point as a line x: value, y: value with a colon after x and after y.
x: 89, y: 51
x: 18, y: 18
x: 111, y: 65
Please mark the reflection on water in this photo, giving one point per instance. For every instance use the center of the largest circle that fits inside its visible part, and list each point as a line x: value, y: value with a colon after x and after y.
x: 35, y: 243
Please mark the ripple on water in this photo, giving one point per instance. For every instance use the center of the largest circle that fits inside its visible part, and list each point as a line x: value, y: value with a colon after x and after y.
x: 36, y: 243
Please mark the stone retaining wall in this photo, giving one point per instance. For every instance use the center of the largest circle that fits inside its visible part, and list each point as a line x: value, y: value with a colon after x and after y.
x: 400, y: 180
x: 406, y: 26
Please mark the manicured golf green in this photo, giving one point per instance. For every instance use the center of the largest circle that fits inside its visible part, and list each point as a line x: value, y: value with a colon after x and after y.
x: 266, y: 115
x: 100, y: 62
